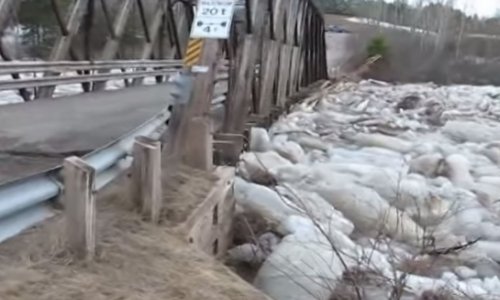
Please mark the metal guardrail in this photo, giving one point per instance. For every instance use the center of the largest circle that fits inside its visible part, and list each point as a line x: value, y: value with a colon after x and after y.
x: 58, y: 80
x: 65, y: 66
x: 23, y: 202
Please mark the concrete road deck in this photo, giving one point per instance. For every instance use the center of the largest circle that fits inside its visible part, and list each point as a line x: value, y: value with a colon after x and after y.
x: 37, y: 135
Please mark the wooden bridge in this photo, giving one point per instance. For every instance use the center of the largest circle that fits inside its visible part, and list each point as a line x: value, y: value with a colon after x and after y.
x: 275, y: 48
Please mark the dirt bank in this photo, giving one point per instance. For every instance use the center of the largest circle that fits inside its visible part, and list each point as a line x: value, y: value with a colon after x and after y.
x: 135, y: 261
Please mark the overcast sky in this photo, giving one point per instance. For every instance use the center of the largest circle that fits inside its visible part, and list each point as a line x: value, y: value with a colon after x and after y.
x: 483, y: 8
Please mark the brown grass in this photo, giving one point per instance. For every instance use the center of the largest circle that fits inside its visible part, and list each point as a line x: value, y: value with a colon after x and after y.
x: 135, y: 260
x: 184, y: 191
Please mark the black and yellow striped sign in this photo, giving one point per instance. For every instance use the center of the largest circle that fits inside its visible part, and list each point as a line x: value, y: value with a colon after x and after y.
x: 193, y: 53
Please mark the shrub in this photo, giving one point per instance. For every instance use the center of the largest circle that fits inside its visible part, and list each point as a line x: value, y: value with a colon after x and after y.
x: 378, y: 46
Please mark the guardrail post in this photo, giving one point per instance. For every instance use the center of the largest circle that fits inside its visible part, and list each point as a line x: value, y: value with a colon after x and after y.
x: 80, y: 210
x: 146, y: 177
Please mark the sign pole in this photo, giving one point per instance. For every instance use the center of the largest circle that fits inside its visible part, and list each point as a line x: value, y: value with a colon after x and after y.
x: 212, y: 23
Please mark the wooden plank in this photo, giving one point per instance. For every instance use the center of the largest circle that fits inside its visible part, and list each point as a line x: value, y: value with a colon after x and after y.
x: 212, y: 221
x: 183, y: 25
x: 237, y: 107
x: 284, y: 74
x: 278, y: 20
x: 294, y: 70
x: 8, y: 9
x: 154, y: 31
x: 300, y: 22
x: 291, y: 21
x: 146, y: 177
x: 307, y: 49
x: 258, y: 14
x: 80, y: 210
x: 113, y: 43
x: 268, y: 76
x: 323, y: 64
x: 302, y: 68
x: 62, y: 46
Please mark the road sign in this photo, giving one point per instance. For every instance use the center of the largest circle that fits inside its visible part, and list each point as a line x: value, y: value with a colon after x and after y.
x: 193, y: 52
x: 213, y: 19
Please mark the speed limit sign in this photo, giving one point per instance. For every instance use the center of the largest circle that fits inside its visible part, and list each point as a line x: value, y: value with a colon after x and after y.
x: 213, y: 19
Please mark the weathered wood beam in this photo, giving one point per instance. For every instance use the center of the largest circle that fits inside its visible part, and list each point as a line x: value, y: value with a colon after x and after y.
x: 153, y: 33
x: 80, y: 207
x: 8, y: 8
x: 146, y: 175
x: 63, y: 44
x: 113, y: 43
x: 238, y: 107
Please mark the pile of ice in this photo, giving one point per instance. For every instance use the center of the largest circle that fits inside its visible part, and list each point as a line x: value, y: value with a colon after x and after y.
x: 390, y: 189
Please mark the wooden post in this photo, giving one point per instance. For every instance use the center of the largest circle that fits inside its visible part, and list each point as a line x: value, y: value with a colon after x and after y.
x: 80, y: 210
x: 197, y: 142
x: 146, y: 176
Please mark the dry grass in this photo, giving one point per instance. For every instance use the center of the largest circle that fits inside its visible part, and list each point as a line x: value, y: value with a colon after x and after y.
x: 184, y: 191
x: 429, y: 266
x: 135, y: 260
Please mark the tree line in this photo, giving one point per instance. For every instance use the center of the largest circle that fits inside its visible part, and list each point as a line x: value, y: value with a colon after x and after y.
x: 424, y: 14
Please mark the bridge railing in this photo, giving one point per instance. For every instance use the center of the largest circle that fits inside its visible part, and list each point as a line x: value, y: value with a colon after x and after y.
x: 33, y: 75
x: 163, y: 31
